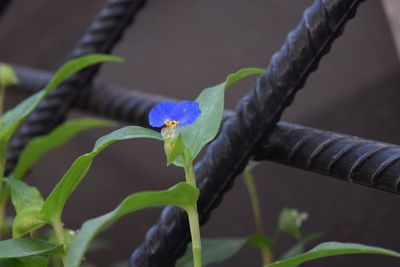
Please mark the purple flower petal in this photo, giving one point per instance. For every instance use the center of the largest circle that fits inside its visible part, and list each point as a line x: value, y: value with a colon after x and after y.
x: 186, y: 112
x: 160, y: 113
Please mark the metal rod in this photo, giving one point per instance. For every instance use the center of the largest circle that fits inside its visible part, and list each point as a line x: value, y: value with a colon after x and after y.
x: 345, y: 157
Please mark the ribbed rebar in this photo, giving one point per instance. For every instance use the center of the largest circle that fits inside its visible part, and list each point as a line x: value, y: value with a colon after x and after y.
x: 345, y: 157
x: 353, y: 159
x: 256, y: 116
x: 101, y: 37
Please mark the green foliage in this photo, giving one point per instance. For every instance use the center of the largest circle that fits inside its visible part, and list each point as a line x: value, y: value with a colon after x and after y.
x: 173, y: 149
x: 259, y: 241
x: 299, y: 247
x: 332, y: 249
x: 35, y: 261
x: 290, y: 222
x: 54, y: 204
x: 24, y: 247
x: 182, y: 195
x: 7, y: 76
x: 56, y: 138
x: 28, y: 202
x: 211, y: 101
x: 214, y: 251
x: 14, y: 117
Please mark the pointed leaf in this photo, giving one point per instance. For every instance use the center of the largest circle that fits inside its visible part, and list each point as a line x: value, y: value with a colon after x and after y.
x: 211, y: 101
x: 23, y: 247
x: 332, y: 249
x: 14, y: 117
x: 58, y: 137
x: 27, y: 201
x: 24, y: 196
x: 55, y: 202
x: 240, y: 74
x: 182, y: 195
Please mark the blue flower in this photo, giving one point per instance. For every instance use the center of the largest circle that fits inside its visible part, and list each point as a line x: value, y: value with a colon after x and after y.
x: 174, y: 115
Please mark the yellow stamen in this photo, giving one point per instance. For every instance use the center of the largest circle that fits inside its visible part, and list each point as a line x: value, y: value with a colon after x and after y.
x: 171, y: 124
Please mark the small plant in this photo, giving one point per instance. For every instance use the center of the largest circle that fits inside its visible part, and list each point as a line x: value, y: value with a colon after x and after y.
x: 187, y: 127
x: 290, y: 222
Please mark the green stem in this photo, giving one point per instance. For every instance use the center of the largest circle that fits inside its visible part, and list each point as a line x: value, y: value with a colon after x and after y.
x: 195, y: 233
x: 4, y: 197
x: 255, y: 203
x: 2, y: 218
x: 193, y: 216
x: 59, y: 231
x: 3, y: 193
x: 189, y: 174
x: 266, y: 252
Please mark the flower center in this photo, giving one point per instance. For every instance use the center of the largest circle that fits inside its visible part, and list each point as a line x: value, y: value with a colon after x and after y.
x: 171, y: 124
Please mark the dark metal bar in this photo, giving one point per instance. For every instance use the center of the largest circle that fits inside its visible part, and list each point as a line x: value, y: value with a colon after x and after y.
x: 348, y: 158
x: 4, y: 4
x: 255, y: 119
x: 102, y: 35
x: 256, y: 115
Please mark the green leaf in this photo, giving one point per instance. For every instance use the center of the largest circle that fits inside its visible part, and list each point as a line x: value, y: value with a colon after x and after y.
x: 58, y: 137
x: 55, y: 202
x: 14, y: 117
x: 27, y: 201
x: 259, y: 241
x: 213, y: 251
x: 299, y: 247
x: 289, y: 221
x: 24, y: 196
x: 173, y: 148
x: 182, y: 195
x: 332, y: 249
x: 211, y: 101
x: 240, y: 74
x: 36, y: 261
x: 23, y: 247
x: 7, y: 76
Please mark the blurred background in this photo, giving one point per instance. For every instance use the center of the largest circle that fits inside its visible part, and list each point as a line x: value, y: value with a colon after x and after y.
x: 177, y: 48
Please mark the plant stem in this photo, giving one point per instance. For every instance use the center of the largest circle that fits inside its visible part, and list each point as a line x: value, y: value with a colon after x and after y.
x: 4, y: 196
x: 59, y: 231
x: 195, y: 233
x: 189, y: 174
x: 193, y: 216
x: 2, y: 217
x: 255, y: 204
x: 3, y: 192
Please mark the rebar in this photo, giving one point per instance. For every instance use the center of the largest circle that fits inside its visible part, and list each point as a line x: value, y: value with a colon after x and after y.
x: 256, y: 115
